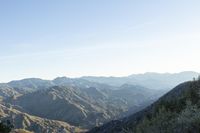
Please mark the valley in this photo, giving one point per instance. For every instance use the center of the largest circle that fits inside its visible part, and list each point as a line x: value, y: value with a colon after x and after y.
x: 73, y: 105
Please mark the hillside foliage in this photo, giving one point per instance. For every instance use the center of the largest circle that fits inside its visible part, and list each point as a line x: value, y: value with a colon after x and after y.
x: 180, y: 114
x: 5, y: 127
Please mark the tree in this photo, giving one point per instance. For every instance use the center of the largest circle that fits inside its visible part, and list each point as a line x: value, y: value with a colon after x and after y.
x: 5, y: 127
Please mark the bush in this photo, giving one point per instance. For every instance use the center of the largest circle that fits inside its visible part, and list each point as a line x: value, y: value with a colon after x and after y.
x: 5, y: 127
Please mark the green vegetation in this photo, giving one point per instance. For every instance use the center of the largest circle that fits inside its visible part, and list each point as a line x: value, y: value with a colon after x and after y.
x: 5, y: 127
x: 179, y: 114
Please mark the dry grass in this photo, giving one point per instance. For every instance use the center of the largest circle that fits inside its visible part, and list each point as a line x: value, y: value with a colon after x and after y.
x: 21, y: 131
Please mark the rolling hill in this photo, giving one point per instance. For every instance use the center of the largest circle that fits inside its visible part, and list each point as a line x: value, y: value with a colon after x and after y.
x: 21, y: 120
x: 177, y: 111
x: 84, y: 107
x: 82, y: 102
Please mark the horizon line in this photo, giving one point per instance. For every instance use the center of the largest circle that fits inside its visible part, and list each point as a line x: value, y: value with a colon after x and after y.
x: 99, y: 76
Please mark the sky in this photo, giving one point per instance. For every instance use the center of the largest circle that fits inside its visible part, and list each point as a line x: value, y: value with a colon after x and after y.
x: 73, y: 38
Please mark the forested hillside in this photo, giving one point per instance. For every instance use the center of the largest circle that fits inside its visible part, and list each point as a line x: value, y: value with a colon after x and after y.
x: 177, y: 111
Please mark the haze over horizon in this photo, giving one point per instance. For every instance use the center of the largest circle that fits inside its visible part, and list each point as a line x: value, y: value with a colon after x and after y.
x: 108, y: 76
x: 48, y: 39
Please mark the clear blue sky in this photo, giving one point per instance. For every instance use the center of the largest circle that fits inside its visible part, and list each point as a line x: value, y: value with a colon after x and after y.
x: 48, y: 38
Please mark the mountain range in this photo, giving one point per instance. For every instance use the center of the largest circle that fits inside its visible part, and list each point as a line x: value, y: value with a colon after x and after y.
x: 80, y: 104
x: 175, y: 112
x: 149, y: 80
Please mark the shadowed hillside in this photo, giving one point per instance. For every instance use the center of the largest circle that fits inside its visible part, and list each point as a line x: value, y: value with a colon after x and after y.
x: 177, y: 111
x: 21, y: 120
x: 85, y: 107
